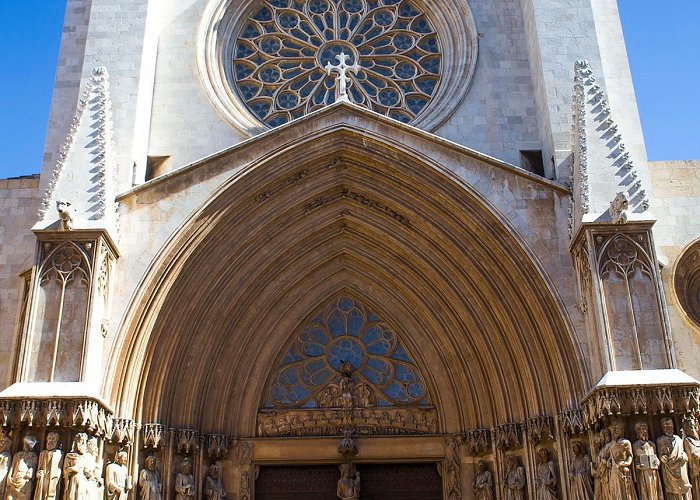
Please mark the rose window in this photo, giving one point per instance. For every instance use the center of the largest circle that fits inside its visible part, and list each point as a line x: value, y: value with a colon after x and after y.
x: 345, y: 332
x: 281, y: 52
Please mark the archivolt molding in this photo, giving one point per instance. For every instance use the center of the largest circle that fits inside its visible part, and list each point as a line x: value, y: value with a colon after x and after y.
x: 341, y: 245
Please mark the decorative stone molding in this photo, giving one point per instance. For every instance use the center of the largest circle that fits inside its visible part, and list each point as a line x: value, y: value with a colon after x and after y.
x: 508, y: 436
x: 56, y: 413
x: 686, y: 281
x: 572, y: 422
x: 85, y: 415
x: 330, y: 422
x: 6, y: 411
x: 123, y: 431
x: 95, y: 106
x: 477, y: 441
x: 643, y: 399
x: 187, y: 441
x: 364, y: 200
x: 283, y: 184
x: 29, y: 411
x: 218, y: 446
x: 152, y: 436
x: 540, y: 428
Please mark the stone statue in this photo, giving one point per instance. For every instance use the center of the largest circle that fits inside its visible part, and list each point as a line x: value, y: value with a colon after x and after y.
x: 184, y: 482
x: 50, y: 469
x: 349, y: 482
x: 691, y: 443
x: 515, y: 479
x: 21, y: 475
x: 214, y: 488
x: 483, y: 482
x: 600, y: 468
x: 5, y: 461
x: 674, y: 462
x: 545, y: 476
x: 149, y: 480
x: 646, y: 465
x: 620, y: 464
x: 75, y: 481
x: 93, y: 469
x: 580, y: 487
x: 66, y: 215
x: 118, y: 479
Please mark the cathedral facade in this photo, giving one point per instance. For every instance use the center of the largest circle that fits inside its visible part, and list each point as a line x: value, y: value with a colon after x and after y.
x: 377, y: 249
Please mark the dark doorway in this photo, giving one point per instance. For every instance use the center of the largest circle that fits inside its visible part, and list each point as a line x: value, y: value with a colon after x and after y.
x: 378, y: 481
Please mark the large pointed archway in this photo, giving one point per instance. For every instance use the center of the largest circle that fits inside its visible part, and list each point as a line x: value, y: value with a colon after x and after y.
x: 345, y: 212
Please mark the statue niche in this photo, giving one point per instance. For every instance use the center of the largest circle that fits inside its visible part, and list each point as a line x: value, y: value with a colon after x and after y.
x: 346, y: 368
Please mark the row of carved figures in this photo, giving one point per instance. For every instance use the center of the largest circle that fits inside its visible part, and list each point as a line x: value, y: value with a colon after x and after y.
x: 620, y: 470
x: 79, y: 474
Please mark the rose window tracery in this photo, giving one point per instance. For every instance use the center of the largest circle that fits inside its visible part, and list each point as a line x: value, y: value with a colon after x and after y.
x: 283, y: 47
x: 345, y: 332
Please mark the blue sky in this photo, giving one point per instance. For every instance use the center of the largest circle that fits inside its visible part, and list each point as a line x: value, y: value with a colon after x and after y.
x: 662, y: 41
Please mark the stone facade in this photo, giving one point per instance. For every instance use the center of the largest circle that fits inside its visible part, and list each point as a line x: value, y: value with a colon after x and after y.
x: 205, y: 298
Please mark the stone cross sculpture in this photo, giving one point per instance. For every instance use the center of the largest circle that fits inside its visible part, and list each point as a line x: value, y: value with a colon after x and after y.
x: 341, y: 88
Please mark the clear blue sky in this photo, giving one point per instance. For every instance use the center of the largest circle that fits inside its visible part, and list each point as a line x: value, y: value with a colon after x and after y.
x: 662, y: 39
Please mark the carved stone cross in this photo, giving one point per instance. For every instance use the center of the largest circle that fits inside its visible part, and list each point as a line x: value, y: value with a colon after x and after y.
x: 341, y: 88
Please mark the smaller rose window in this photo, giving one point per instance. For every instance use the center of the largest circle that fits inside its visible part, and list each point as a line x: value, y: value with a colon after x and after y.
x: 345, y: 332
x: 284, y: 46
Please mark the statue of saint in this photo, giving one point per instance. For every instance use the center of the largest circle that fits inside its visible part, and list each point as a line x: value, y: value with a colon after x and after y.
x: 646, y: 465
x: 184, y: 482
x: 349, y: 483
x: 691, y: 443
x: 545, y: 476
x: 50, y: 470
x: 620, y: 464
x: 149, y: 480
x: 483, y: 482
x: 21, y: 475
x: 74, y: 477
x: 118, y: 478
x: 674, y: 462
x: 515, y: 479
x: 214, y: 489
x: 5, y: 461
x: 93, y: 469
x: 580, y: 487
x: 600, y: 468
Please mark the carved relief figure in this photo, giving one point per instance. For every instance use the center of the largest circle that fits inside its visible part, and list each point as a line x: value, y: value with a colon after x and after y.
x: 483, y: 482
x: 451, y: 471
x: 580, y: 487
x: 646, y: 464
x: 600, y: 468
x: 214, y: 488
x: 515, y: 479
x: 5, y: 461
x: 65, y: 215
x: 545, y: 476
x: 349, y: 482
x: 118, y: 480
x: 93, y: 469
x: 674, y: 462
x: 21, y: 475
x: 50, y: 469
x: 620, y: 464
x: 184, y: 482
x: 75, y: 480
x: 149, y: 480
x: 691, y: 443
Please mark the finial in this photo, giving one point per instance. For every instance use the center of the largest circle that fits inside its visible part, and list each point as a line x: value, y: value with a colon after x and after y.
x: 341, y: 81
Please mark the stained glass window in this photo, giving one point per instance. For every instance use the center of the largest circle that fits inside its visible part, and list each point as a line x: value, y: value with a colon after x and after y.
x: 284, y: 46
x: 346, y: 331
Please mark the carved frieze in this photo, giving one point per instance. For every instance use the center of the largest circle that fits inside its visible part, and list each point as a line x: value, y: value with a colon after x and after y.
x: 122, y: 431
x: 56, y: 412
x: 360, y: 198
x: 187, y: 441
x: 647, y: 400
x: 218, y: 446
x: 6, y: 410
x: 572, y: 422
x: 331, y: 422
x: 540, y: 428
x: 29, y: 412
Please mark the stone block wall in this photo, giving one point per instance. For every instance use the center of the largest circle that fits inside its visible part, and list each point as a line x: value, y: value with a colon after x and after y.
x: 19, y: 204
